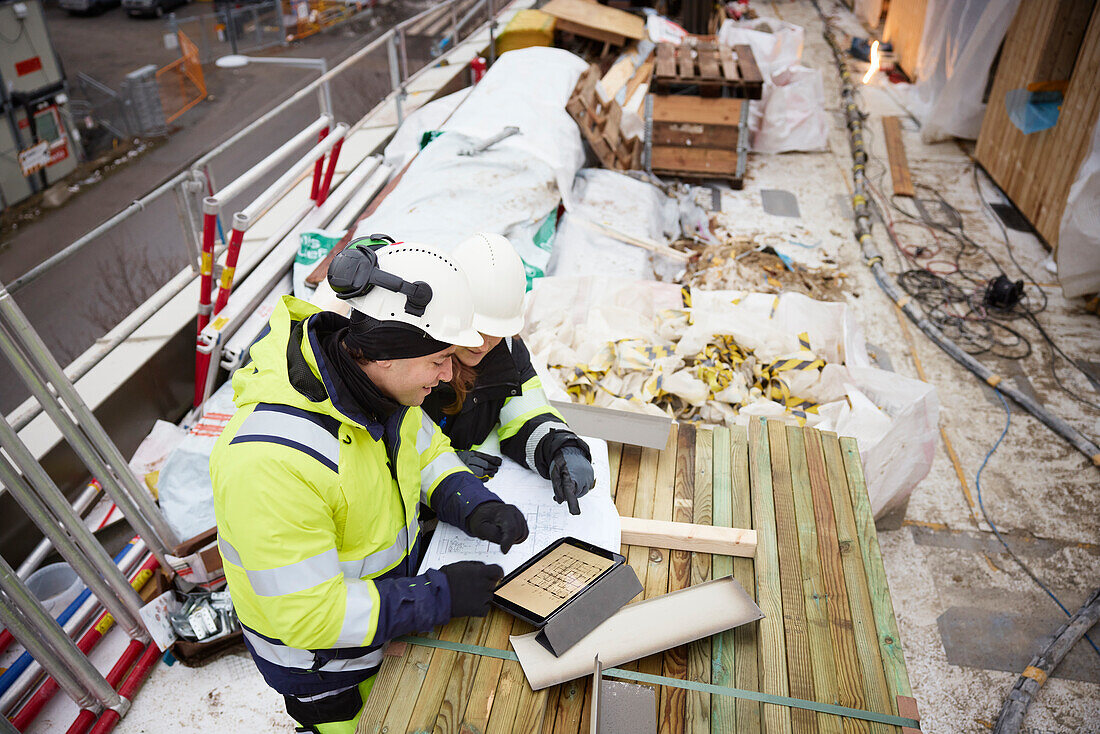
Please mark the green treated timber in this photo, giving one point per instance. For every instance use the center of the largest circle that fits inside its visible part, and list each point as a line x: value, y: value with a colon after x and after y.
x: 697, y: 707
x: 799, y: 663
x: 893, y: 657
x: 859, y: 595
x: 747, y: 660
x: 813, y: 587
x: 722, y: 709
x: 773, y: 651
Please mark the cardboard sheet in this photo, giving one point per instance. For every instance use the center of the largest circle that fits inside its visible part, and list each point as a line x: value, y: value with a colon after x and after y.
x: 641, y: 629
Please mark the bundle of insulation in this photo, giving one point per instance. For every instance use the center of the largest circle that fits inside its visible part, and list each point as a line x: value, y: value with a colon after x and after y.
x: 719, y: 357
x: 515, y: 186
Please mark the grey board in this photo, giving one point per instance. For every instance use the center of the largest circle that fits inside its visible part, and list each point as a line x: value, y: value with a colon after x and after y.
x: 780, y: 203
x: 634, y: 429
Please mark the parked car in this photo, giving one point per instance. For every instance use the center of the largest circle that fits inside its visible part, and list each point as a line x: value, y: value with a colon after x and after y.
x: 150, y: 8
x: 86, y: 7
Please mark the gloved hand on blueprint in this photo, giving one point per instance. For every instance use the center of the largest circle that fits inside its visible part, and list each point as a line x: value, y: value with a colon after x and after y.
x: 571, y: 475
x: 471, y: 584
x: 498, y: 523
x: 484, y: 466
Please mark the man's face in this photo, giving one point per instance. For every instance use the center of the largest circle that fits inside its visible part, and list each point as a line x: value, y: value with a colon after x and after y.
x: 408, y: 381
x: 472, y: 357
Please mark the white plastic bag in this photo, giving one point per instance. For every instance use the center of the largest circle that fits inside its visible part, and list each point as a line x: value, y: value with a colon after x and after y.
x: 1078, y: 251
x: 793, y: 112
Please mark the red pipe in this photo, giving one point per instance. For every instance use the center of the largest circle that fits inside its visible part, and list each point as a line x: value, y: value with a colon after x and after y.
x: 109, y: 719
x: 83, y: 720
x: 316, y: 187
x: 206, y: 268
x: 5, y: 640
x: 34, y: 705
x: 332, y: 158
x: 231, y: 255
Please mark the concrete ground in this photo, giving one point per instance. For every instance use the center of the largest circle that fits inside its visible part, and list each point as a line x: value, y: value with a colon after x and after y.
x: 970, y: 619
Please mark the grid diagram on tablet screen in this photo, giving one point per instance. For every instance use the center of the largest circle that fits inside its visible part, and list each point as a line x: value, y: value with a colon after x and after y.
x: 565, y: 576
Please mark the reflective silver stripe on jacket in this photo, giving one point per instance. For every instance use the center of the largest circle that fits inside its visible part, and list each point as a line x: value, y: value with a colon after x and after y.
x: 537, y: 435
x: 289, y: 429
x: 380, y: 560
x: 292, y: 657
x: 425, y: 434
x: 358, y: 611
x: 439, y: 466
x: 517, y: 406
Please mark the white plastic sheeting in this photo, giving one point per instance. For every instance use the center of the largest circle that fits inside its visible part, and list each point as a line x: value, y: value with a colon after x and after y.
x: 894, y: 418
x: 791, y: 112
x: 510, y: 188
x: 957, y: 48
x: 1078, y: 253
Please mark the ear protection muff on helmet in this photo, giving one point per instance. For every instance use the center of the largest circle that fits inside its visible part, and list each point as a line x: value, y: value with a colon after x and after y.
x: 355, y: 271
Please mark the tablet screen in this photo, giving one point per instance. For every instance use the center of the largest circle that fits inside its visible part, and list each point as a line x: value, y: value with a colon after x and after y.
x: 554, y: 579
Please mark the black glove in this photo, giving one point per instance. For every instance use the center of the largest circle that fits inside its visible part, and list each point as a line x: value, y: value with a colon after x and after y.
x: 498, y: 523
x: 571, y: 475
x: 471, y: 584
x: 484, y: 466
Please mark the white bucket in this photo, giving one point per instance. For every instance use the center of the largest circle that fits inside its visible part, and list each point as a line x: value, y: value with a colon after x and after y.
x: 56, y: 586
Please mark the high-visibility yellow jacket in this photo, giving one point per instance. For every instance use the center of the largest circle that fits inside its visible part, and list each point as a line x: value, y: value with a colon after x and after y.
x: 316, y: 505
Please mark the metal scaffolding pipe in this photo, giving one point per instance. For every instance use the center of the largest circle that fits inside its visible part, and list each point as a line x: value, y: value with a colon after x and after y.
x: 17, y: 335
x: 82, y: 552
x: 31, y: 563
x: 52, y: 648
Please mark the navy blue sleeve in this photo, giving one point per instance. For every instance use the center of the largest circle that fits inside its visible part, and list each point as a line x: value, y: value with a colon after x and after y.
x: 457, y: 496
x: 412, y: 604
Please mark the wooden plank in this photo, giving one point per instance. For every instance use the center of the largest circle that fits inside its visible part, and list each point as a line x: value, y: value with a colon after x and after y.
x: 685, y: 62
x: 596, y: 34
x: 747, y: 662
x: 708, y: 60
x: 893, y: 657
x: 656, y: 583
x: 773, y: 652
x: 899, y: 164
x: 641, y: 76
x: 611, y: 133
x: 570, y: 706
x: 417, y: 662
x: 799, y: 665
x: 627, y: 486
x: 746, y: 63
x: 876, y: 695
x: 671, y: 709
x: 381, y: 694
x: 614, y: 456
x: 699, y: 110
x: 666, y: 60
x: 813, y: 588
x: 693, y: 135
x: 615, y: 78
x: 638, y: 556
x: 697, y: 706
x: 483, y: 690
x: 683, y: 536
x: 461, y: 679
x: 510, y: 691
x: 591, y: 18
x: 849, y: 684
x: 723, y: 656
x: 729, y: 65
x: 426, y: 709
x: 704, y: 162
x: 903, y: 28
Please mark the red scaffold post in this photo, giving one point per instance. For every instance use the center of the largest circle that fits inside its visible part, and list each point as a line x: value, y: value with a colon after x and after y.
x: 315, y: 188
x: 332, y: 158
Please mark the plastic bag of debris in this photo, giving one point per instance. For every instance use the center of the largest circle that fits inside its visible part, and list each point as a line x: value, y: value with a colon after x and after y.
x: 793, y: 115
x: 775, y: 44
x: 722, y: 356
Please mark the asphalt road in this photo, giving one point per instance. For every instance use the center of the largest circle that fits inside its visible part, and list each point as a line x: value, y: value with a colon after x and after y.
x: 79, y: 300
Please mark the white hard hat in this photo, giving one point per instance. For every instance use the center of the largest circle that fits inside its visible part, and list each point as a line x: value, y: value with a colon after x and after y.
x: 498, y: 280
x: 397, y: 277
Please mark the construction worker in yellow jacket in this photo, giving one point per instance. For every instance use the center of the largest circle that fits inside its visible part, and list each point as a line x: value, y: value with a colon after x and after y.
x: 319, y: 475
x: 495, y: 387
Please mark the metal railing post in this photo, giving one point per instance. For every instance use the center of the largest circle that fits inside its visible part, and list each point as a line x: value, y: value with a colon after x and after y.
x: 54, y: 516
x: 404, y: 54
x: 48, y: 644
x: 454, y: 22
x: 492, y: 33
x: 109, y: 466
x: 395, y: 78
x: 187, y: 223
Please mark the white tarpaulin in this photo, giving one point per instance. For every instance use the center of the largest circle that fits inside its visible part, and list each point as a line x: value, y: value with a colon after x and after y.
x: 957, y: 48
x: 1078, y: 252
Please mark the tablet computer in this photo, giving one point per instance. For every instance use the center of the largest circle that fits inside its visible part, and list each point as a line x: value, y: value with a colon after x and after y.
x: 554, y: 577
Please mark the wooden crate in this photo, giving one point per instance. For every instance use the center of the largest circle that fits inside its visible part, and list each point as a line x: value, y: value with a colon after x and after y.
x: 599, y: 123
x: 697, y: 137
x: 830, y: 635
x: 702, y: 62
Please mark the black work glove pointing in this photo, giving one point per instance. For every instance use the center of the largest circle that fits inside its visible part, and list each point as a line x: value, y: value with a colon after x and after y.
x: 484, y: 466
x: 498, y: 523
x: 471, y: 584
x: 572, y: 476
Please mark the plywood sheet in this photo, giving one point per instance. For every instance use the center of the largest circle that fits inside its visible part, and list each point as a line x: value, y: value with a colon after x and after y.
x: 597, y: 21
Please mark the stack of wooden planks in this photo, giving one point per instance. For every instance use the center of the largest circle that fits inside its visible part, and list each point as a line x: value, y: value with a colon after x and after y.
x: 601, y: 124
x: 697, y: 137
x: 711, y: 67
x: 830, y: 634
x: 595, y: 21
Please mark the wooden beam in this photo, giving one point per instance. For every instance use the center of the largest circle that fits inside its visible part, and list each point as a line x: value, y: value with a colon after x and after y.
x: 899, y: 164
x: 688, y: 537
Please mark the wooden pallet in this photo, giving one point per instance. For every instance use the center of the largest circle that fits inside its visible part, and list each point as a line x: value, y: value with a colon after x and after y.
x: 697, y: 137
x: 830, y: 634
x: 703, y: 63
x: 599, y: 124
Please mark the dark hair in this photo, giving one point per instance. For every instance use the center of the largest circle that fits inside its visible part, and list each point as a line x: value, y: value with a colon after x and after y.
x: 461, y: 382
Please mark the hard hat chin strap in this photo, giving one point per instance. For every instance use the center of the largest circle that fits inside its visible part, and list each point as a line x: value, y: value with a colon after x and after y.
x: 354, y: 271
